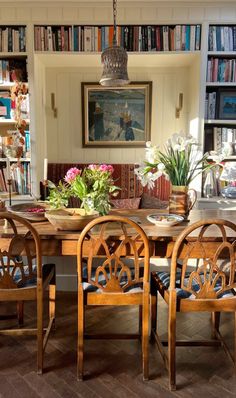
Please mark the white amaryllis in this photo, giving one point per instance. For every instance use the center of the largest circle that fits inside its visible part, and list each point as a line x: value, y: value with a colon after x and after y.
x: 151, y: 155
x: 180, y: 162
x: 180, y: 143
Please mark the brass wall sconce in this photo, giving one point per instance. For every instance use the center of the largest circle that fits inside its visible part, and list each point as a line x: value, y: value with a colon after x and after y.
x: 179, y: 106
x: 53, y: 107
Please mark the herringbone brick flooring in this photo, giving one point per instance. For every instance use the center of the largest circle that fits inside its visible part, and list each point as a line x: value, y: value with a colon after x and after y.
x: 113, y: 368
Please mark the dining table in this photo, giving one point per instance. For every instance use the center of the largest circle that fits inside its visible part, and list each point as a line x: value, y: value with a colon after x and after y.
x: 161, y: 239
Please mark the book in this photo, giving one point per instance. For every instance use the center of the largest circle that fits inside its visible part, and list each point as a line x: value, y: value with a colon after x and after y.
x: 5, y: 108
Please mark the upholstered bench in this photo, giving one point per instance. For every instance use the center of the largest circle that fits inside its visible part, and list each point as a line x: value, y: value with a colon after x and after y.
x: 132, y: 194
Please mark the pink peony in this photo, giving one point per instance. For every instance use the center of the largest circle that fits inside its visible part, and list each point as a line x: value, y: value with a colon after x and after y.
x: 93, y: 167
x: 72, y: 174
x: 106, y: 168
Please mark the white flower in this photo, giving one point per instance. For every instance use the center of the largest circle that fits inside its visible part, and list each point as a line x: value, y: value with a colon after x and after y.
x: 180, y: 143
x: 161, y: 167
x: 152, y: 154
x: 216, y: 157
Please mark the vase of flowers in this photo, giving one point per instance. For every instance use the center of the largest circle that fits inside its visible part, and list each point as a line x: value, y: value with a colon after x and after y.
x: 180, y: 163
x: 93, y: 186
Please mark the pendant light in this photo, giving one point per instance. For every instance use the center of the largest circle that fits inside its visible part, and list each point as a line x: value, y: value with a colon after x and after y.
x: 114, y: 60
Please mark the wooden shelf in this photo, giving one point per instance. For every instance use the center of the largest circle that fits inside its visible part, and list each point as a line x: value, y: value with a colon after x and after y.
x: 9, y: 85
x: 16, y: 197
x: 135, y: 59
x: 220, y: 84
x: 222, y: 53
x: 221, y: 121
x: 12, y: 54
x: 11, y: 121
x: 15, y: 159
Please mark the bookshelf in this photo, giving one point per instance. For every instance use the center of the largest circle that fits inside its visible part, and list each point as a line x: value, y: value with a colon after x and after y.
x: 141, y: 38
x: 220, y: 119
x: 220, y: 96
x: 13, y: 67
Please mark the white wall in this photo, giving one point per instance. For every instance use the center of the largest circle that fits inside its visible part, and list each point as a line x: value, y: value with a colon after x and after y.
x: 64, y: 134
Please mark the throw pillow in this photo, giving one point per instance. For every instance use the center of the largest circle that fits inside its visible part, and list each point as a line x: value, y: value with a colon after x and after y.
x: 132, y: 203
x: 151, y: 202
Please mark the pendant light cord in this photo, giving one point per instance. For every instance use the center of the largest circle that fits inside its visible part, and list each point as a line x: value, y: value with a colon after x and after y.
x: 114, y: 22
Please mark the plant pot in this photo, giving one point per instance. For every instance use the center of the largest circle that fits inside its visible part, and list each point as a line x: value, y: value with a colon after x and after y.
x: 70, y: 219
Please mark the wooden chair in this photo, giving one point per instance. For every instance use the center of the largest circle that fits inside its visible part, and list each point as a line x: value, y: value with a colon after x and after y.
x: 24, y: 278
x: 210, y: 286
x: 105, y: 278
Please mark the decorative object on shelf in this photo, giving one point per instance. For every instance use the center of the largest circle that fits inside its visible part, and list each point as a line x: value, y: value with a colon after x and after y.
x: 93, y: 186
x: 116, y: 116
x: 179, y: 107
x: 227, y: 104
x: 228, y: 149
x: 210, y: 185
x: 70, y: 219
x: 180, y: 163
x: 114, y: 60
x: 229, y: 174
x: 18, y: 95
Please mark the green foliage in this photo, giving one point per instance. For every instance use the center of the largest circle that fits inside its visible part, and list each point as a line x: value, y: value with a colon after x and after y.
x: 58, y: 195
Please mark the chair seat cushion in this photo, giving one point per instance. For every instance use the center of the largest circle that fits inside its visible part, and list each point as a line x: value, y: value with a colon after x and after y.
x: 31, y: 282
x: 164, y: 278
x: 101, y: 280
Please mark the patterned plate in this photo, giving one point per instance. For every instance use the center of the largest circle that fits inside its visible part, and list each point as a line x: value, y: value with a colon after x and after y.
x: 165, y: 220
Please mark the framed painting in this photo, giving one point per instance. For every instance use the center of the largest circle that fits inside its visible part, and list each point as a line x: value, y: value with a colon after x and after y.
x: 227, y: 104
x: 116, y: 116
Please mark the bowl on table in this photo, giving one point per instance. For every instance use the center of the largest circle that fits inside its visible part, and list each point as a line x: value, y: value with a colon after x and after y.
x: 32, y: 211
x: 165, y: 220
x: 71, y: 219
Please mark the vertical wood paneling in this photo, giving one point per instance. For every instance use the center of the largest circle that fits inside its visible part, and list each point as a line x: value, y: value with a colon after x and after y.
x: 65, y: 133
x: 51, y: 122
x: 8, y: 14
x: 64, y: 128
x: 39, y: 14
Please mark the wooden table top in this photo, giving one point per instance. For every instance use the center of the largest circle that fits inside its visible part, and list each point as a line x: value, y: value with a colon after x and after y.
x: 65, y: 242
x: 47, y: 231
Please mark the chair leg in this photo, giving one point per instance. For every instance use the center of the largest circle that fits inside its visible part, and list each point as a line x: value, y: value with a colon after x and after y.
x: 40, y: 334
x: 215, y: 324
x: 20, y: 313
x: 172, y: 342
x: 145, y: 337
x: 235, y: 341
x: 154, y: 310
x: 140, y: 321
x: 52, y: 301
x: 80, y: 353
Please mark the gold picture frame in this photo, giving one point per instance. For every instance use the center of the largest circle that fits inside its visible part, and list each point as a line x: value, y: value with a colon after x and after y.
x: 116, y: 116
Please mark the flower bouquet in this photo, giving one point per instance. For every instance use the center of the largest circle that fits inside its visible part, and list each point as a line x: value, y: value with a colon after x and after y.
x: 93, y: 186
x: 180, y: 162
